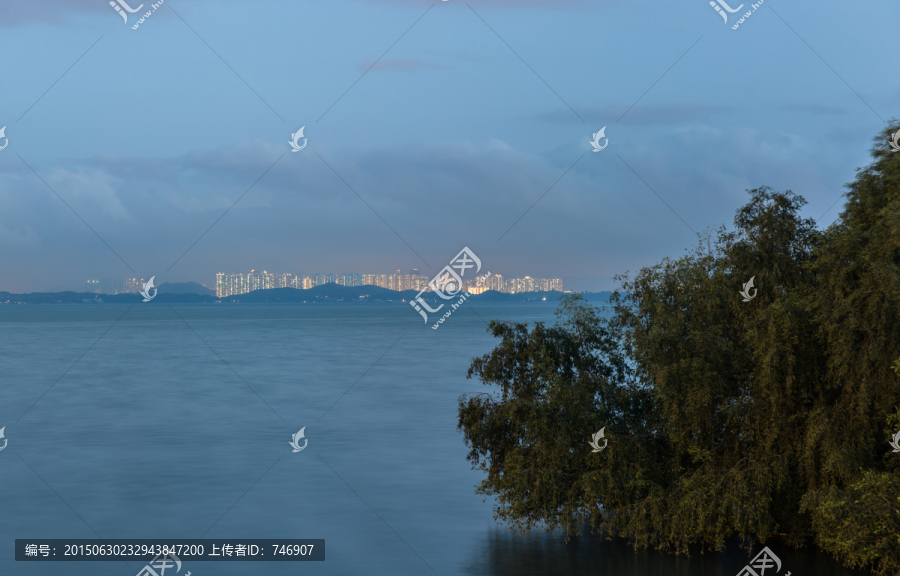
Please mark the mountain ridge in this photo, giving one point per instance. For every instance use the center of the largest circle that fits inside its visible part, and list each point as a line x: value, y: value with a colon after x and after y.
x: 324, y: 293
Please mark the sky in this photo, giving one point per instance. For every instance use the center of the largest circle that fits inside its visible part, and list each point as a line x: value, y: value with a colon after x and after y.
x: 430, y: 125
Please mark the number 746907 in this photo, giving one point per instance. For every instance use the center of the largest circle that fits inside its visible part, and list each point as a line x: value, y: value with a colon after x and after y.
x: 292, y: 549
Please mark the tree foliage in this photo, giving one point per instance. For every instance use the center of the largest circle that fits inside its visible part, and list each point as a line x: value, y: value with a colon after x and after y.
x: 724, y: 418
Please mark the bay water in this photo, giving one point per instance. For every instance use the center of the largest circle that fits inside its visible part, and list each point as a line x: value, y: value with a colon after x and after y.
x: 174, y: 421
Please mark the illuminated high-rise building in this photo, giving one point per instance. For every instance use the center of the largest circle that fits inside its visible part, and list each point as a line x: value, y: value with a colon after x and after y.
x: 235, y: 284
x: 350, y: 280
x: 266, y: 281
x: 240, y: 283
x: 253, y: 281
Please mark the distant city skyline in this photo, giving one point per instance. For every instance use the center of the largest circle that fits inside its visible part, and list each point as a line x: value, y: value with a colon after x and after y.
x: 233, y: 284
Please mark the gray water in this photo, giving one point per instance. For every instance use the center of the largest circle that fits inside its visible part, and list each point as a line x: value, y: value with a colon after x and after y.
x: 174, y: 423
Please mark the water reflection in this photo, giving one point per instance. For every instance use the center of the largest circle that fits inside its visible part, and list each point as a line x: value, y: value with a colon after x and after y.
x: 506, y: 554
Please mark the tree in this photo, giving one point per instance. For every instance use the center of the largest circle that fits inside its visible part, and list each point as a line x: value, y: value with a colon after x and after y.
x: 724, y: 417
x: 856, y: 511
x: 554, y: 384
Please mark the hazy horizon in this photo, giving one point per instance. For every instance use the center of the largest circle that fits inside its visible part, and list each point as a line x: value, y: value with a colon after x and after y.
x: 211, y: 285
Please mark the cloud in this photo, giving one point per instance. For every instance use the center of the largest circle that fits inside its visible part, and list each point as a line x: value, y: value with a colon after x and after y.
x: 88, y: 186
x: 593, y: 220
x: 639, y: 114
x: 815, y: 109
x: 56, y: 11
x: 18, y: 236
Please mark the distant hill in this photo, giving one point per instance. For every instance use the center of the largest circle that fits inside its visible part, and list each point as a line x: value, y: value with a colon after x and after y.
x: 326, y: 292
x: 337, y: 293
x: 190, y: 292
x: 91, y: 298
x: 185, y: 288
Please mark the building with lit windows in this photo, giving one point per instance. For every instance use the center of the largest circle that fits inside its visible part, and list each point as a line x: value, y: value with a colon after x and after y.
x: 235, y: 284
x: 134, y: 285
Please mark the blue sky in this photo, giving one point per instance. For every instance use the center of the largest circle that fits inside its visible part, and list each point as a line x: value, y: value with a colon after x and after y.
x: 475, y: 110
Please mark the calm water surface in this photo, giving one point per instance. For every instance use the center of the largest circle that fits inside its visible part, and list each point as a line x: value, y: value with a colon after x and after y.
x: 174, y: 423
